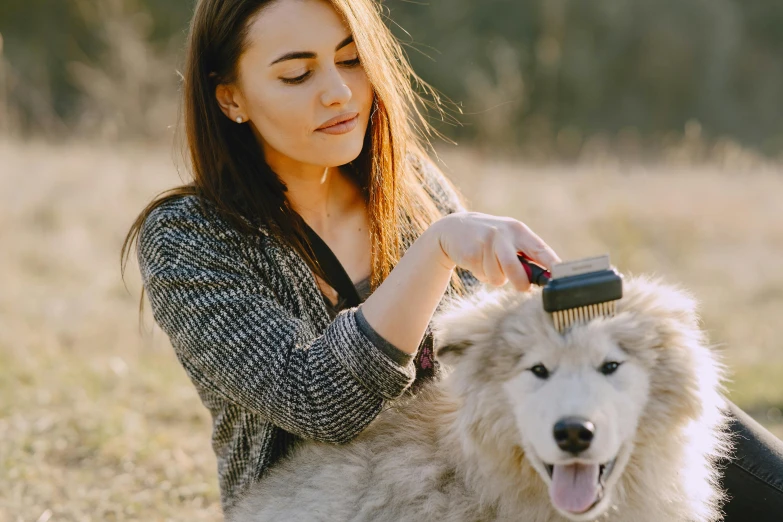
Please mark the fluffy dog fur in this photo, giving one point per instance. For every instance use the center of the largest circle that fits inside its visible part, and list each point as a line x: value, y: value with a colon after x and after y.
x: 474, y: 445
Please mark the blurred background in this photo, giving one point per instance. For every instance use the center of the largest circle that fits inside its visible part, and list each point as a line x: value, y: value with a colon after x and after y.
x: 651, y: 130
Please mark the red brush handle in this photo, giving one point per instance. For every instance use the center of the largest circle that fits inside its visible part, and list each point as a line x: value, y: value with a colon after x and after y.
x: 536, y: 274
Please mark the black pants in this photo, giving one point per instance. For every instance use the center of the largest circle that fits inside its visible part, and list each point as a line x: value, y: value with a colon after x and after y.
x: 753, y: 477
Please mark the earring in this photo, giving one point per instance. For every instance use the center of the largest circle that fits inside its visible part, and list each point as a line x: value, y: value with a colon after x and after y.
x: 239, y: 119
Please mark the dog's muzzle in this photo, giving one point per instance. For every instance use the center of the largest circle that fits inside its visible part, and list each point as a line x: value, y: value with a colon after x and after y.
x: 573, y: 434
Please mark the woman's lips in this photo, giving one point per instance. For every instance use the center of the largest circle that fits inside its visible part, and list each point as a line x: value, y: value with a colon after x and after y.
x: 341, y: 128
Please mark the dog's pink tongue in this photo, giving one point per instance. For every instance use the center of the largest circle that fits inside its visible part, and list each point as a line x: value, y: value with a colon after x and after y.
x: 574, y: 487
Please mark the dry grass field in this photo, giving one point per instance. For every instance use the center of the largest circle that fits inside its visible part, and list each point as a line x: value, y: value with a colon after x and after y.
x: 99, y: 422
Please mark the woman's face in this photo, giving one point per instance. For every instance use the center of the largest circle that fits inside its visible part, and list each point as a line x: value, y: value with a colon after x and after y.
x: 301, y: 69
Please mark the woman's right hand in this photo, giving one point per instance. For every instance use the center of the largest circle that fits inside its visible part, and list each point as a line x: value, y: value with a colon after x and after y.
x: 487, y: 246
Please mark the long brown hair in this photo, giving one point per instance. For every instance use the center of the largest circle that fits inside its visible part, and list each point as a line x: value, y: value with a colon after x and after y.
x: 228, y: 166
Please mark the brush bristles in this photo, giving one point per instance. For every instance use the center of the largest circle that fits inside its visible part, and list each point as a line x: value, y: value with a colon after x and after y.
x: 564, y: 319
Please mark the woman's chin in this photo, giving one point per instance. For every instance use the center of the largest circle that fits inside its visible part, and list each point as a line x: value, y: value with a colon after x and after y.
x: 339, y: 154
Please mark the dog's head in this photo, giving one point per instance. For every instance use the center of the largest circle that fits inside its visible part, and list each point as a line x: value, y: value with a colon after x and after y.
x: 577, y: 403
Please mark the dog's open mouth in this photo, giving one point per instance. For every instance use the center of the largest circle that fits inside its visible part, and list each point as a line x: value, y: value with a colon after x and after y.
x: 577, y: 487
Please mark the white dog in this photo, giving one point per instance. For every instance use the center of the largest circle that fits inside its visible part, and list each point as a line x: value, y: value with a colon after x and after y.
x: 620, y: 419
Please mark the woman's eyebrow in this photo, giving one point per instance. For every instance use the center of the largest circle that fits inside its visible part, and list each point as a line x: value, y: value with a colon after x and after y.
x: 306, y: 54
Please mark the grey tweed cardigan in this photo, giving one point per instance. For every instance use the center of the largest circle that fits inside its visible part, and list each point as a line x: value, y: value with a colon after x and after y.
x: 250, y: 327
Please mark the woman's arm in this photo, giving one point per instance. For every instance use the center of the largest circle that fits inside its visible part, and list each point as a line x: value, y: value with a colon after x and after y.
x: 401, y: 308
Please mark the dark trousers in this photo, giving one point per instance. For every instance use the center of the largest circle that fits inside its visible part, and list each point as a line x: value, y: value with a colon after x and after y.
x: 753, y: 476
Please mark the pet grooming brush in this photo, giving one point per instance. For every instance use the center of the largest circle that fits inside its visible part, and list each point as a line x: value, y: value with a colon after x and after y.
x: 577, y: 291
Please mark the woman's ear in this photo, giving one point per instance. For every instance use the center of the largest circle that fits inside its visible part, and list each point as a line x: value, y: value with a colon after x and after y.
x: 230, y: 101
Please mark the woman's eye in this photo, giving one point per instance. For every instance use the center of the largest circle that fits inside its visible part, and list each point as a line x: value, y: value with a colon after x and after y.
x: 609, y: 368
x: 298, y: 79
x: 540, y: 371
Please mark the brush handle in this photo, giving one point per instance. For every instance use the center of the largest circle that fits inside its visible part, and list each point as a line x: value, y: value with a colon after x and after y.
x: 535, y: 274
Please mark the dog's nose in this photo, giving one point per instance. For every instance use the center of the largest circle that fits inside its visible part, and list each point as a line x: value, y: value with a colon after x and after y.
x: 574, y: 434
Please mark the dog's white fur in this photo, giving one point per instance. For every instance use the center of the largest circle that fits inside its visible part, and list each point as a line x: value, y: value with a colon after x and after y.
x: 472, y: 446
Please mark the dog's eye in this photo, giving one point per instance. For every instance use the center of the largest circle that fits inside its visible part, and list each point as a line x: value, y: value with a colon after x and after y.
x: 609, y: 367
x: 540, y: 371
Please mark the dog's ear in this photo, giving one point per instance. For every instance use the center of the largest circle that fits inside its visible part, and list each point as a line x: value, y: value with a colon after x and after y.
x: 659, y: 324
x: 662, y: 313
x: 465, y: 322
x: 449, y: 341
x: 664, y: 301
x: 451, y: 351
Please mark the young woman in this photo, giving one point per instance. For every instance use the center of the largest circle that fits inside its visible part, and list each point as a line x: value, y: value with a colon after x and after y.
x: 300, y: 113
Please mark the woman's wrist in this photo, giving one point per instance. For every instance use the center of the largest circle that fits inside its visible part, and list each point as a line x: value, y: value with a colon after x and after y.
x: 433, y: 236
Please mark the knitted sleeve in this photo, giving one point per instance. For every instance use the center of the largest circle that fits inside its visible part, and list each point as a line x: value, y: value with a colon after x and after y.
x: 235, y: 339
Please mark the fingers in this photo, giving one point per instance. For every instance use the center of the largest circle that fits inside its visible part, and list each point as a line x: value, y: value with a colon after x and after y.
x: 487, y: 246
x: 512, y: 268
x: 492, y: 269
x: 533, y: 246
x: 474, y: 261
x: 501, y: 264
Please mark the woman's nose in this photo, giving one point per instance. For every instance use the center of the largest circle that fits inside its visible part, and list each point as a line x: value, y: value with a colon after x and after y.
x: 335, y: 91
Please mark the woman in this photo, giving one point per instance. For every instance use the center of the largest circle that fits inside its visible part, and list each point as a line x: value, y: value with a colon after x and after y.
x: 289, y: 128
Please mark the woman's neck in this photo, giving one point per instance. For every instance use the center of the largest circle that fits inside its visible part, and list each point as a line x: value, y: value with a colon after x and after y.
x: 322, y: 196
